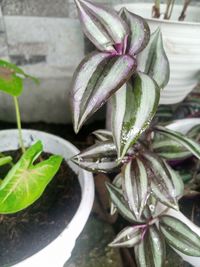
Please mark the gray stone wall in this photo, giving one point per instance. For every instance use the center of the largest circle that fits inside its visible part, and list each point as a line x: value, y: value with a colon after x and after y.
x: 44, y: 38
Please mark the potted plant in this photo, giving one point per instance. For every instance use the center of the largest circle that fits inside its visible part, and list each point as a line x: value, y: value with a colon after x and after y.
x: 146, y: 188
x: 26, y: 188
x: 181, y: 42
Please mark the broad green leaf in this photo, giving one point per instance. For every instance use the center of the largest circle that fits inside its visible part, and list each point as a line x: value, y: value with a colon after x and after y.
x: 5, y: 160
x: 135, y: 186
x: 103, y: 135
x: 180, y: 236
x: 161, y: 181
x: 98, y: 77
x: 177, y: 181
x: 188, y: 143
x: 101, y: 157
x: 11, y: 78
x: 129, y: 236
x: 170, y: 149
x: 103, y: 26
x: 117, y: 198
x: 151, y: 251
x: 26, y: 181
x: 117, y: 182
x: 134, y: 106
x: 153, y: 60
x: 139, y: 32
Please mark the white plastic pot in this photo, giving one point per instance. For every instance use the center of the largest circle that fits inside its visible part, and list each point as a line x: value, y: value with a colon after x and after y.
x: 184, y: 126
x: 181, y: 42
x: 58, y: 251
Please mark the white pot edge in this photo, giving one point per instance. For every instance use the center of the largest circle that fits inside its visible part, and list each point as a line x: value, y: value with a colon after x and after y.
x: 59, y: 250
x: 183, y: 126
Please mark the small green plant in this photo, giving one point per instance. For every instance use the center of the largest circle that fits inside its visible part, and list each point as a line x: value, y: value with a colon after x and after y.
x: 25, y: 181
x: 130, y: 68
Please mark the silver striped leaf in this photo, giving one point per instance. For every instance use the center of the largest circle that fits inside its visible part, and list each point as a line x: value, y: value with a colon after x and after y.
x: 117, y: 182
x: 161, y: 181
x: 136, y: 186
x: 103, y: 135
x: 139, y: 32
x: 117, y: 198
x: 101, y: 157
x: 134, y: 106
x: 98, y: 76
x: 150, y: 252
x: 153, y: 60
x: 170, y: 149
x: 103, y: 26
x: 188, y: 143
x: 194, y: 133
x: 180, y: 236
x: 129, y: 236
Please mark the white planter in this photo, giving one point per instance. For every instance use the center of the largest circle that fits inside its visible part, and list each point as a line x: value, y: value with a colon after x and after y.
x: 58, y: 251
x: 181, y: 42
x: 183, y: 126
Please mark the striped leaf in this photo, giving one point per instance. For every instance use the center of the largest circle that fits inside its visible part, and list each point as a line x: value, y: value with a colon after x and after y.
x: 98, y: 76
x: 177, y: 181
x: 161, y: 181
x: 134, y: 106
x: 103, y: 135
x: 194, y: 133
x: 101, y: 157
x: 180, y: 236
x: 188, y: 143
x: 136, y: 186
x: 170, y: 149
x: 129, y: 236
x: 153, y: 60
x: 151, y: 251
x: 117, y: 198
x: 5, y: 160
x: 103, y: 26
x: 139, y: 32
x: 117, y: 182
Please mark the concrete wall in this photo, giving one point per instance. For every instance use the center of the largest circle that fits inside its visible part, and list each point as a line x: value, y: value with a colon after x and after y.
x: 45, y: 39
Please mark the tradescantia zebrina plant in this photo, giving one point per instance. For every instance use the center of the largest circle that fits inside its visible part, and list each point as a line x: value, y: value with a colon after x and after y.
x: 130, y: 67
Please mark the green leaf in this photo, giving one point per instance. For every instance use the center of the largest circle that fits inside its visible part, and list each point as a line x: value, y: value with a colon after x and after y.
x: 191, y: 145
x: 129, y: 236
x: 151, y: 251
x: 11, y: 78
x: 101, y: 157
x: 136, y: 186
x: 5, y: 160
x: 180, y: 236
x: 161, y: 181
x: 117, y: 182
x: 134, y: 106
x: 194, y: 133
x: 140, y: 32
x: 122, y: 206
x: 153, y: 60
x: 25, y: 182
x: 98, y: 77
x: 103, y: 26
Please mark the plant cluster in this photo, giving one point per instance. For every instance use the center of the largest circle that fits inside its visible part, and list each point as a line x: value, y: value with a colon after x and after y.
x: 130, y: 67
x: 26, y: 180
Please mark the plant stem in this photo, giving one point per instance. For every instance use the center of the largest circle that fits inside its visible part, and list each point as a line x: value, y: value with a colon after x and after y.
x: 185, y: 6
x: 169, y: 9
x: 156, y: 9
x: 18, y: 117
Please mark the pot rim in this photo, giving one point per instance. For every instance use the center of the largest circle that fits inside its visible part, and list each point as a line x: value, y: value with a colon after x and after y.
x: 82, y: 212
x: 170, y: 22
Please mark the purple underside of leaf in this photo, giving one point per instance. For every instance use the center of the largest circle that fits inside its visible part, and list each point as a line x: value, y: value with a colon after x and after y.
x: 139, y: 32
x: 98, y: 76
x: 103, y: 26
x: 134, y: 106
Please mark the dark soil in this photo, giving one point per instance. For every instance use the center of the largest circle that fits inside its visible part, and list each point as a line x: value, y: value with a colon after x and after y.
x: 26, y: 232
